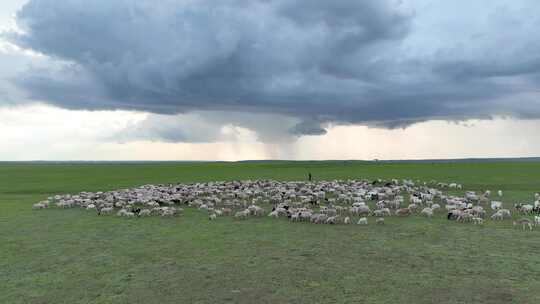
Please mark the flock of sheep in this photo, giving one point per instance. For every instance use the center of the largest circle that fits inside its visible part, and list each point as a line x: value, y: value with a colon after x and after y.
x: 322, y: 202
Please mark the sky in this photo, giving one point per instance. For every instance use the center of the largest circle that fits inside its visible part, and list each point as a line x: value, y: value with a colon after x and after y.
x: 269, y: 79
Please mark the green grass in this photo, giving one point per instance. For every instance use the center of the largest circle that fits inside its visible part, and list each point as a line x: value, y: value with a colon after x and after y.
x: 73, y: 256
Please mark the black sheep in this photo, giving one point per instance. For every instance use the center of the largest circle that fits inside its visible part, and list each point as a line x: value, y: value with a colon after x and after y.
x: 137, y: 211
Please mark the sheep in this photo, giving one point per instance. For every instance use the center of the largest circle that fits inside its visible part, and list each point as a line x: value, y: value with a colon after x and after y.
x: 226, y: 211
x: 412, y: 207
x: 465, y: 217
x: 427, y: 212
x: 379, y: 221
x: 415, y: 200
x: 292, y: 199
x: 380, y: 205
x: 360, y: 210
x: 362, y: 221
x: 526, y: 209
x: 318, y: 218
x: 450, y: 207
x: 168, y: 211
x: 506, y: 213
x: 524, y: 222
x: 497, y: 216
x: 255, y: 210
x: 454, y: 214
x: 332, y: 219
x: 501, y: 215
x: 145, y: 212
x: 125, y: 213
x: 242, y: 215
x: 273, y: 214
x: 382, y: 212
x: 66, y: 204
x: 295, y: 217
x: 330, y: 212
x: 403, y: 212
x: 477, y: 221
x: 212, y: 216
x: 500, y: 193
x: 106, y: 210
x: 536, y: 220
x: 40, y: 205
x: 495, y: 205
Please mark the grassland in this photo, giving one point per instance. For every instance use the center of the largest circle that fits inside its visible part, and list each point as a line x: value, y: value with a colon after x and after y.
x: 73, y: 256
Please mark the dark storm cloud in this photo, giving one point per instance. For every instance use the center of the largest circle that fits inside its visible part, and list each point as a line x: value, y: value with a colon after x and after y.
x: 341, y: 61
x: 308, y: 128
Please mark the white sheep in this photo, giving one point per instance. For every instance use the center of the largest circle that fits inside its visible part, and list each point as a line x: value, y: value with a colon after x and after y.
x: 39, y: 206
x: 332, y: 219
x: 362, y: 221
x: 382, y: 212
x: 242, y: 215
x: 255, y: 210
x: 477, y: 220
x: 125, y: 213
x: 144, y: 212
x: 412, y: 207
x: 273, y: 214
x: 318, y: 218
x: 379, y: 221
x: 106, y: 210
x: 501, y: 215
x: 526, y: 209
x: 496, y: 205
x: 360, y: 210
x: 346, y: 220
x: 212, y: 216
x: 427, y: 212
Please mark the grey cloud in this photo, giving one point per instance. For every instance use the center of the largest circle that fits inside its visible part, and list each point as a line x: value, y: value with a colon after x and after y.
x: 170, y: 128
x: 308, y: 128
x: 208, y: 126
x: 313, y: 61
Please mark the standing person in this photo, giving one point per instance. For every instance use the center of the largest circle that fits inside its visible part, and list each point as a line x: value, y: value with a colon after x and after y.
x: 309, y: 176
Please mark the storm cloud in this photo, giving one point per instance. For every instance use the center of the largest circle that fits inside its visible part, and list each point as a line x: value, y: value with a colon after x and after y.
x: 374, y: 62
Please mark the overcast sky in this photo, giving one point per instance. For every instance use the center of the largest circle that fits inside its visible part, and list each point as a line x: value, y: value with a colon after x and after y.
x: 287, y: 79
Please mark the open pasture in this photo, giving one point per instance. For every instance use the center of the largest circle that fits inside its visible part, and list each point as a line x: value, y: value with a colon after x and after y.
x: 75, y: 256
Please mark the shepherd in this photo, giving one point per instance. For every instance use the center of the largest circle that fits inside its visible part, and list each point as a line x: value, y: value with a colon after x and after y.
x: 309, y: 176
